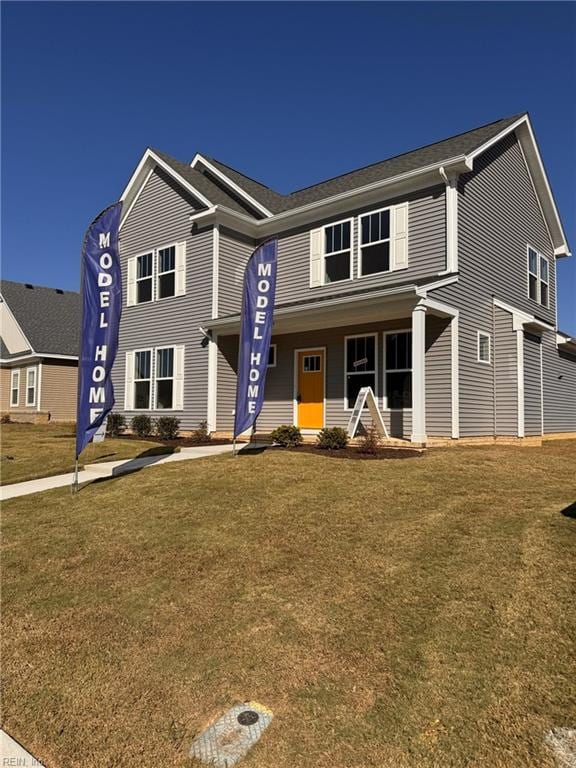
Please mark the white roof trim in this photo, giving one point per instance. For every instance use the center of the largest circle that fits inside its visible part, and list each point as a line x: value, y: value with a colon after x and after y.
x: 140, y: 176
x: 32, y: 354
x: 198, y: 158
x: 538, y: 176
x: 2, y: 298
x: 521, y: 318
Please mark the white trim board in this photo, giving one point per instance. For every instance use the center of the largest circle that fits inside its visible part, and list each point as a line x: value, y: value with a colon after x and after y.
x: 198, y: 158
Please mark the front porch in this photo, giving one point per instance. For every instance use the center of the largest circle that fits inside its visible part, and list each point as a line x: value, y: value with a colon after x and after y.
x: 405, y: 348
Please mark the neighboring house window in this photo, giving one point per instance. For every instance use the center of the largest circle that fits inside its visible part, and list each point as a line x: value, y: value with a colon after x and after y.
x: 31, y: 386
x: 164, y: 377
x: 360, y: 366
x: 142, y: 379
x: 337, y: 251
x: 483, y: 347
x: 15, y: 388
x: 144, y: 267
x: 375, y: 243
x: 538, y: 277
x: 272, y: 356
x: 398, y: 370
x: 166, y: 272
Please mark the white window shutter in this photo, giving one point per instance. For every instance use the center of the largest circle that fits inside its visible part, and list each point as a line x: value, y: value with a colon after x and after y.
x: 400, y: 236
x: 129, y: 382
x: 178, y: 400
x: 180, y: 279
x: 316, y: 256
x: 131, y: 283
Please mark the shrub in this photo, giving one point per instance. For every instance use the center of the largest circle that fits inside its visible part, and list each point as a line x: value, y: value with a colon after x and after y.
x: 141, y: 425
x: 115, y: 425
x: 371, y: 442
x: 167, y: 427
x: 201, y: 434
x: 5, y: 418
x: 287, y: 435
x: 332, y: 439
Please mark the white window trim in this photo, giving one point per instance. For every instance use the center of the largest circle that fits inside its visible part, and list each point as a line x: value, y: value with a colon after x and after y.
x: 15, y: 373
x: 137, y: 279
x: 151, y: 379
x: 156, y: 378
x: 346, y: 372
x: 478, y: 358
x: 394, y: 370
x: 538, y: 276
x: 157, y: 273
x: 376, y: 242
x: 335, y: 253
x: 28, y: 371
x: 275, y: 348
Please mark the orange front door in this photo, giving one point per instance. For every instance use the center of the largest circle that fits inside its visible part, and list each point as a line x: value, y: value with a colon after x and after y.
x: 310, y: 395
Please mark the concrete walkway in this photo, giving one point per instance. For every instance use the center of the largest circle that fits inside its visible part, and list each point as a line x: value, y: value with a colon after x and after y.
x: 12, y: 753
x: 111, y: 469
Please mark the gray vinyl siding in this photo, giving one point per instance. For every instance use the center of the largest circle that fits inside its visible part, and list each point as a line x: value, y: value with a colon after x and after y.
x: 498, y: 215
x: 426, y: 254
x: 234, y: 252
x: 161, y: 216
x: 279, y: 393
x: 505, y: 356
x: 532, y: 386
x: 559, y: 373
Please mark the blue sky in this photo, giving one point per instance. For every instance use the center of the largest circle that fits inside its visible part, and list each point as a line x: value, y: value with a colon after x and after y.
x: 289, y: 93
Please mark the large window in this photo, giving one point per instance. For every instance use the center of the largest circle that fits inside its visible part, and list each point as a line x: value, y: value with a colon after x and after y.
x: 360, y: 366
x: 164, y: 377
x: 337, y: 252
x: 142, y: 379
x: 538, y: 278
x: 166, y: 272
x: 15, y: 388
x: 375, y: 242
x: 144, y: 267
x: 398, y: 369
x: 31, y: 386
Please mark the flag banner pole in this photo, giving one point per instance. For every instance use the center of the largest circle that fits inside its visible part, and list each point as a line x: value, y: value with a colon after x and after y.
x: 101, y: 310
x: 258, y: 298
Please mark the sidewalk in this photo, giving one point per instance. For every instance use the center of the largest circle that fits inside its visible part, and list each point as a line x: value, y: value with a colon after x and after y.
x: 12, y: 753
x: 110, y: 469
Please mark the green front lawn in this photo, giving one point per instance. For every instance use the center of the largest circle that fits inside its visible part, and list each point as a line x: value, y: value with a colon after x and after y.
x: 393, y: 614
x: 30, y: 451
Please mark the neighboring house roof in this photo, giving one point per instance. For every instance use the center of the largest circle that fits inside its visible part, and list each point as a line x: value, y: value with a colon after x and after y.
x: 462, y: 144
x: 6, y: 355
x: 49, y: 318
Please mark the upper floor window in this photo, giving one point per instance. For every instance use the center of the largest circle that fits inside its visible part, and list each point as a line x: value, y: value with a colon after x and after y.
x: 375, y: 243
x: 158, y: 274
x: 15, y: 388
x: 337, y: 252
x: 398, y: 370
x: 538, y: 277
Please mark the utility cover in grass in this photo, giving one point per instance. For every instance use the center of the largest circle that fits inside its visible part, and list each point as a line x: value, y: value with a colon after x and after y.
x: 228, y: 740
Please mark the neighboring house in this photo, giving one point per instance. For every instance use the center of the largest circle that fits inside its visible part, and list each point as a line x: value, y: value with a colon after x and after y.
x: 430, y: 276
x: 39, y: 339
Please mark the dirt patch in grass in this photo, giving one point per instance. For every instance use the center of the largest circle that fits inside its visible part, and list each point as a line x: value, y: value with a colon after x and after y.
x: 402, y: 614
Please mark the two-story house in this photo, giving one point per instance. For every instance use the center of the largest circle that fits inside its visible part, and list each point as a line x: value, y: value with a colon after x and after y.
x: 430, y: 276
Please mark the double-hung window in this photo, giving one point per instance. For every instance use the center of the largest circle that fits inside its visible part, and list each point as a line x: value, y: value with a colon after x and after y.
x: 166, y: 272
x: 144, y: 279
x: 164, y: 377
x: 15, y: 388
x: 398, y: 370
x: 538, y: 277
x: 375, y: 243
x: 360, y: 366
x: 337, y: 252
x: 31, y: 386
x: 142, y: 379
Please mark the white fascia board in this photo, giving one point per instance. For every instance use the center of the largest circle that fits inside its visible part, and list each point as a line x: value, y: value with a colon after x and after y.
x: 521, y: 318
x: 537, y: 172
x: 198, y: 158
x: 33, y: 355
x: 17, y: 324
x: 439, y: 306
x: 423, y: 290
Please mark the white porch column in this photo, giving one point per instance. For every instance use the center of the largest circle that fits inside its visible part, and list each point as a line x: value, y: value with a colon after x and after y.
x: 212, y: 382
x: 418, y: 374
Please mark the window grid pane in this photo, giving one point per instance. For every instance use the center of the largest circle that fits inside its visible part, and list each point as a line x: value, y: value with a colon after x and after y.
x: 167, y: 259
x: 142, y: 364
x: 144, y: 266
x: 165, y: 363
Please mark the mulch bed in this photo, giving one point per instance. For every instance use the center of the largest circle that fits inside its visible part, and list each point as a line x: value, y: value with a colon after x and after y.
x: 178, y: 442
x: 352, y: 452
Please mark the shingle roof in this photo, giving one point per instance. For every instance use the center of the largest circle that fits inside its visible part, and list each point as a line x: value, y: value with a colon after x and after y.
x: 49, y: 318
x: 430, y: 154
